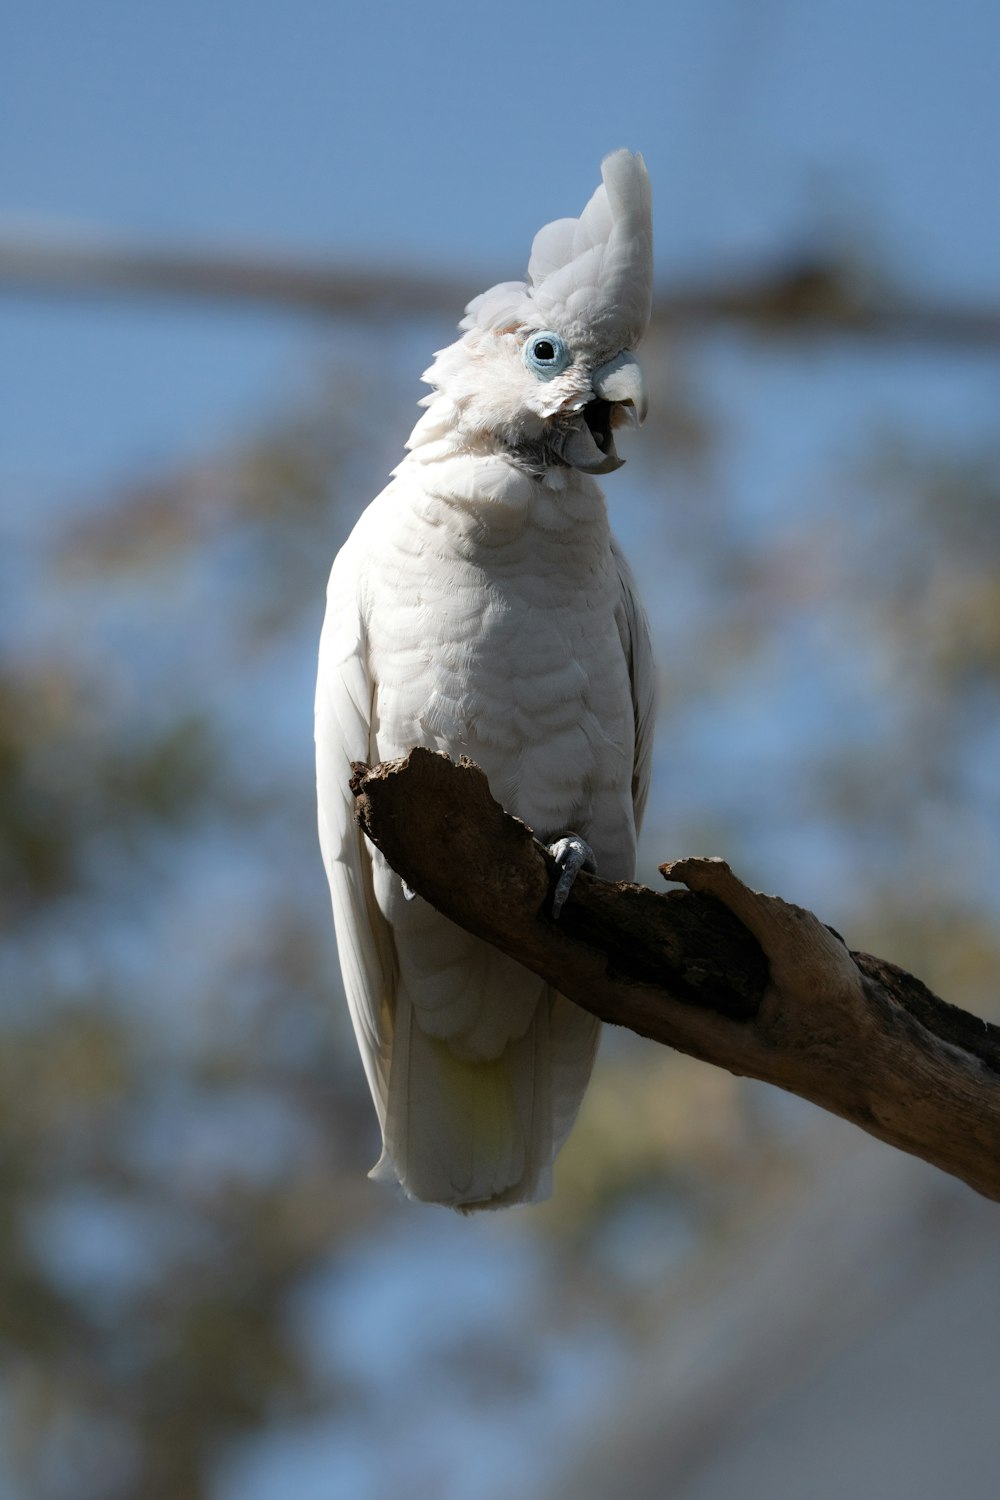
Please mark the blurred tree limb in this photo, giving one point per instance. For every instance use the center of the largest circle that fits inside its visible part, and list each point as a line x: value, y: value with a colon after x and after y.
x: 739, y: 979
x: 804, y: 294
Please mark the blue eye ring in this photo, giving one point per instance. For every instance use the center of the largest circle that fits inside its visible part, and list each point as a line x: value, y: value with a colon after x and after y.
x: 545, y: 354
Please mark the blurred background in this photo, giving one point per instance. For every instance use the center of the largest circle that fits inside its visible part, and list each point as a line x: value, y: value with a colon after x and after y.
x: 231, y: 236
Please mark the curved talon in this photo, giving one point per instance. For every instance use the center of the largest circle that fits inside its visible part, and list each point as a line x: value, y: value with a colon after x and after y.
x: 572, y: 854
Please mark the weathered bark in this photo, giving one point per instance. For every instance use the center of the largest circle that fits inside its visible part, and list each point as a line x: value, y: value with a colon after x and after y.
x: 739, y: 979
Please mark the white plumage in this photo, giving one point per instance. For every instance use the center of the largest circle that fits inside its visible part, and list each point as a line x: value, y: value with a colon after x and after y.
x: 482, y: 607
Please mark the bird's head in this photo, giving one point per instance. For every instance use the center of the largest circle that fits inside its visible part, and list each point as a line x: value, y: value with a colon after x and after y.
x: 545, y: 369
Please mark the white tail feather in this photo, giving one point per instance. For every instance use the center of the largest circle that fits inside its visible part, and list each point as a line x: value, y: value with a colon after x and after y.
x: 475, y: 1135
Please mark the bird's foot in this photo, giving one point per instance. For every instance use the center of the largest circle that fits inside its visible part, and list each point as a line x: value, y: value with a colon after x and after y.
x: 572, y: 854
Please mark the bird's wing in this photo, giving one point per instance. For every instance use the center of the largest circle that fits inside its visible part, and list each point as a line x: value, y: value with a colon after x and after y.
x: 633, y: 628
x: 344, y: 694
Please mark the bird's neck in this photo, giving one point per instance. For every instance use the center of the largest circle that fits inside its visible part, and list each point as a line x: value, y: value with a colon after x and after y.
x: 498, y: 496
x: 485, y: 478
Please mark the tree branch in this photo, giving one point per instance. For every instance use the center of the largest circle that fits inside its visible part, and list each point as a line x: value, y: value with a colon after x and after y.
x: 815, y: 296
x: 736, y: 978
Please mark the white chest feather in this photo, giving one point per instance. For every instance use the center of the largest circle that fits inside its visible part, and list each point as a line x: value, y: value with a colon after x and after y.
x: 491, y: 633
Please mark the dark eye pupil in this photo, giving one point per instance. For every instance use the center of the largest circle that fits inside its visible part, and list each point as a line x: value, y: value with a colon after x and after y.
x: 544, y: 350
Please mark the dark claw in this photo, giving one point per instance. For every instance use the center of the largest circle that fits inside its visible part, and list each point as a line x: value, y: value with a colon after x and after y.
x: 572, y: 854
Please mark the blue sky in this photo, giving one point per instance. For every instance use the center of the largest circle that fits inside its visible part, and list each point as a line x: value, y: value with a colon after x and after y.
x: 443, y: 134
x: 443, y: 131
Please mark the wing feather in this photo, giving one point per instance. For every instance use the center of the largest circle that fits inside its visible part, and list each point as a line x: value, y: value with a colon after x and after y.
x: 633, y: 627
x: 343, y: 735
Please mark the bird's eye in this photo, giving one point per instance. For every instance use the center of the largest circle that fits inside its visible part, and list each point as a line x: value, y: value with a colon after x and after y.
x: 545, y: 354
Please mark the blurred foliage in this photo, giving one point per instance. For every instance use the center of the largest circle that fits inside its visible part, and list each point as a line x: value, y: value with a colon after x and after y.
x: 63, y: 786
x: 162, y: 1196
x: 184, y: 1140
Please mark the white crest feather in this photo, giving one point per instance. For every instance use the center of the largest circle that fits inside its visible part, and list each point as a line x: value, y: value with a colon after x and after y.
x: 591, y: 277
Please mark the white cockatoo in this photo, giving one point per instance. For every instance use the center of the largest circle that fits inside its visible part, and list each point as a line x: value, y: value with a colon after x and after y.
x: 482, y: 607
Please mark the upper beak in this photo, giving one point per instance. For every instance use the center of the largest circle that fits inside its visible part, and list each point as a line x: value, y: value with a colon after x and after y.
x: 618, y: 386
x: 622, y: 382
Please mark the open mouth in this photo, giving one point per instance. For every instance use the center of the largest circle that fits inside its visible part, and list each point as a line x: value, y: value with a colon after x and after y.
x: 597, y: 415
x: 589, y: 445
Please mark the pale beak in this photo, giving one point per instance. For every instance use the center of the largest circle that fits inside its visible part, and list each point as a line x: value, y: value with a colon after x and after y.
x: 618, y: 386
x: 622, y: 382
